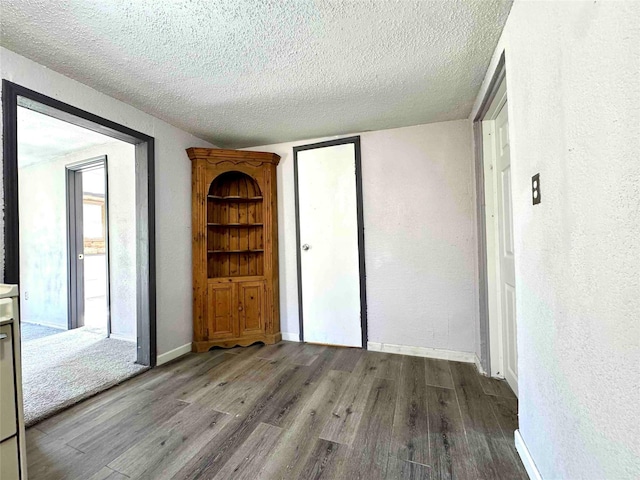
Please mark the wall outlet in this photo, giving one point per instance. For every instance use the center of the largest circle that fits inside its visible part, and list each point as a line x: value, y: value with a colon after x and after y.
x: 535, y: 188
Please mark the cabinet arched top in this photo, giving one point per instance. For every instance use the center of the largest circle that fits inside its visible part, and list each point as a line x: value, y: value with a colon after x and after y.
x: 234, y: 184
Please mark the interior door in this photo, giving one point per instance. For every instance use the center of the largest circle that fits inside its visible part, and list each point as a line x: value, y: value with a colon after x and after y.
x: 76, y: 248
x: 506, y: 254
x: 329, y: 255
x: 87, y: 222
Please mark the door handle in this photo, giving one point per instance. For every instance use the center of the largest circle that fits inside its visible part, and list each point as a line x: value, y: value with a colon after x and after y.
x: 3, y: 336
x: 306, y: 247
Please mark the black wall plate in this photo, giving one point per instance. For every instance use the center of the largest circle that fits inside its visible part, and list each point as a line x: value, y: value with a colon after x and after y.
x: 535, y: 189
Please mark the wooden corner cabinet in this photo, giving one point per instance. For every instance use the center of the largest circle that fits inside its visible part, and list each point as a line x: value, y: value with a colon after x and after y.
x: 235, y: 248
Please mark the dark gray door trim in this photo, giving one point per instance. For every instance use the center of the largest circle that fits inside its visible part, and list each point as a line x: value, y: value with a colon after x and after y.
x: 14, y: 95
x: 75, y: 237
x: 485, y: 347
x: 360, y: 219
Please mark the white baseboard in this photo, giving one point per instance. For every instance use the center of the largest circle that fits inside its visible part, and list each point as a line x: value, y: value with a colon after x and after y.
x: 115, y: 336
x: 173, y: 354
x: 479, y: 365
x: 525, y: 456
x: 291, y: 337
x: 466, y: 357
x: 44, y: 324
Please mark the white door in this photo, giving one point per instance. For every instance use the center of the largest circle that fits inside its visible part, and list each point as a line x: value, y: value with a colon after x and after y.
x: 506, y: 257
x: 329, y: 259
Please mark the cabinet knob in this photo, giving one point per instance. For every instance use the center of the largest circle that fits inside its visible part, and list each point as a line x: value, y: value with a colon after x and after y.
x: 240, y: 307
x: 306, y: 247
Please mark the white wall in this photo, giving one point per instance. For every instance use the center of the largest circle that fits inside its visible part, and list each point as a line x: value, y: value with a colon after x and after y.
x: 173, y: 188
x: 122, y: 238
x: 43, y: 244
x: 419, y: 236
x: 43, y: 237
x: 573, y: 83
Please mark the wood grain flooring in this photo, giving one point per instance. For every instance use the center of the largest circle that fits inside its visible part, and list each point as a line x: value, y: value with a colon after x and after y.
x: 287, y: 411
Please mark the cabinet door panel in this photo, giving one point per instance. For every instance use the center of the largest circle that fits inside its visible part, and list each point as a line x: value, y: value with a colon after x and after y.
x: 8, y: 425
x: 9, y: 459
x: 220, y: 312
x: 251, y: 307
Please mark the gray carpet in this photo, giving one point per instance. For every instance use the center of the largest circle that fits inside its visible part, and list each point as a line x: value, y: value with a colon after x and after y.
x: 33, y: 331
x: 62, y: 369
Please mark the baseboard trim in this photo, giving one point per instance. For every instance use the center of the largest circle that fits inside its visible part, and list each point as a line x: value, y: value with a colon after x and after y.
x: 44, y: 324
x: 525, y: 456
x: 291, y: 337
x: 466, y: 357
x: 115, y: 336
x: 479, y: 366
x: 173, y: 354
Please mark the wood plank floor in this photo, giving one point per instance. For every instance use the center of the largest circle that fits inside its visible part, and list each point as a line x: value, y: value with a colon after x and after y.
x: 287, y: 411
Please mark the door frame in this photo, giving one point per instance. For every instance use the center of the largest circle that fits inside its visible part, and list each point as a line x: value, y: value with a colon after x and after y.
x: 360, y: 225
x: 75, y: 275
x: 492, y: 229
x: 14, y: 95
x: 491, y: 324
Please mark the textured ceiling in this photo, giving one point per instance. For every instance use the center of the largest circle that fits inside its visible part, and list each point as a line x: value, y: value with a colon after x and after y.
x: 251, y: 72
x: 42, y: 138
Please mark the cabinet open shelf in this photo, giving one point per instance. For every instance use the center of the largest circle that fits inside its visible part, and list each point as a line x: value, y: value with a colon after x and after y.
x: 234, y: 198
x: 237, y: 251
x: 235, y: 236
x: 242, y: 225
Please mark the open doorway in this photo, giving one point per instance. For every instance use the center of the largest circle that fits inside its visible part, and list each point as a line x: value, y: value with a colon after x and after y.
x: 66, y: 272
x: 78, y: 243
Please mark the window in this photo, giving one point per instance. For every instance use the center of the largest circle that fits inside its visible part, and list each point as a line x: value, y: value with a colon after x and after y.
x: 93, y: 224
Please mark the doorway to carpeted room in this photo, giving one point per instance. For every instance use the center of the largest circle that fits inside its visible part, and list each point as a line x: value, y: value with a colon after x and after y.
x: 79, y: 282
